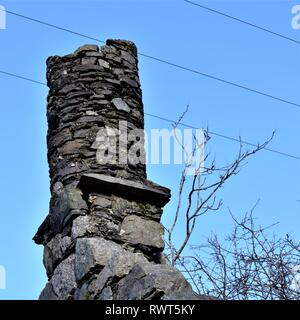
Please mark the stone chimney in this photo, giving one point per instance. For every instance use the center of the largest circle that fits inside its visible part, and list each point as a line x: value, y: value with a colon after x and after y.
x: 102, y: 237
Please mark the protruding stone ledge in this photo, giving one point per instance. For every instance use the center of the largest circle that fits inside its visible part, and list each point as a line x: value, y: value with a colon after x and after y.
x: 66, y: 206
x: 128, y: 189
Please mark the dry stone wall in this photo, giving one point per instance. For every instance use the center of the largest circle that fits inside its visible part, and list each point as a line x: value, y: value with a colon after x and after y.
x: 102, y: 237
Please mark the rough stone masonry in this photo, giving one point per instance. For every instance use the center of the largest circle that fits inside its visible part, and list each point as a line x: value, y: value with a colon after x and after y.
x: 102, y: 237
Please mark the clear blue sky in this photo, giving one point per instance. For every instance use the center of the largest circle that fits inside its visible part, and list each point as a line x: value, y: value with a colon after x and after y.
x: 175, y: 31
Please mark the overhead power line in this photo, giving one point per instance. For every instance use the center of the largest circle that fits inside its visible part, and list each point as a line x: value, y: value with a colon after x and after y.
x: 242, y: 21
x: 225, y: 137
x: 223, y: 80
x: 51, y: 25
x: 21, y: 77
x: 178, y: 66
x: 172, y: 121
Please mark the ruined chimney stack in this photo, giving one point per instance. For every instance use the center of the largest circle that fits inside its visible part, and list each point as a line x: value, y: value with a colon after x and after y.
x: 102, y: 237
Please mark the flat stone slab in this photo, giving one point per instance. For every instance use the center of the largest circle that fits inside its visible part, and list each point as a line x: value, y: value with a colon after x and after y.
x: 132, y: 190
x: 120, y: 104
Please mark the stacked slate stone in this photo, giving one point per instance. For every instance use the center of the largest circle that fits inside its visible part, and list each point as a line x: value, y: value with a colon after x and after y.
x: 102, y: 238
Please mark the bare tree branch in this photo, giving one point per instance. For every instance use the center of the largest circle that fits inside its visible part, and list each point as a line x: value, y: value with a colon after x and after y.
x: 250, y: 265
x: 203, y: 188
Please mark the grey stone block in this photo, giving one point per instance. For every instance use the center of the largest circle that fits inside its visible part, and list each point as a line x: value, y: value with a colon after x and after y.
x: 54, y: 251
x: 139, y: 231
x: 63, y: 280
x: 92, y: 254
x: 48, y: 293
x: 153, y: 281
